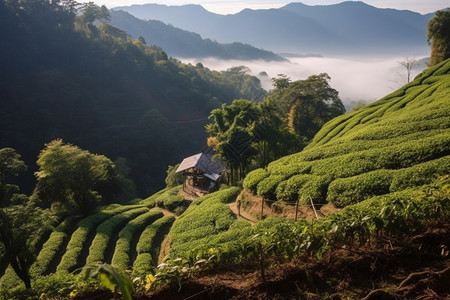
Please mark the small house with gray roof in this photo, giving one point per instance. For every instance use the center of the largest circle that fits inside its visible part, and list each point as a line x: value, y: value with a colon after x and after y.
x: 202, y: 173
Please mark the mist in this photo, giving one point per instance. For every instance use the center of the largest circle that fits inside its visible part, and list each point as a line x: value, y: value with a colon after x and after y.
x: 366, y: 79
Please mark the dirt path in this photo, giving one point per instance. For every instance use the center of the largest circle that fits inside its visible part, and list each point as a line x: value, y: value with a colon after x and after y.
x: 164, y: 211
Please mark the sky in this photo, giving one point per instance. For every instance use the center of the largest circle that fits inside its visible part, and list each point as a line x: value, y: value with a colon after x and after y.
x: 234, y: 6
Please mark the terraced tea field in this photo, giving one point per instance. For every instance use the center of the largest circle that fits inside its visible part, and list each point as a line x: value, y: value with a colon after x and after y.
x: 399, y: 142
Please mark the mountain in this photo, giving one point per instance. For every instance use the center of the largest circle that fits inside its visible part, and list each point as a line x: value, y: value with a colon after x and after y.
x: 345, y: 28
x: 94, y: 87
x: 181, y: 43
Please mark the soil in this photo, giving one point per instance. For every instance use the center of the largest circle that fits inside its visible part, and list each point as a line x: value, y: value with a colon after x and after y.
x: 409, y: 267
x: 254, y: 208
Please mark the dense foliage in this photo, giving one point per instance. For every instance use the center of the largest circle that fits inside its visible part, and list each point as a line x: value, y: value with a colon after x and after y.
x: 248, y: 135
x: 439, y: 36
x: 63, y: 77
x: 22, y: 224
x: 72, y: 179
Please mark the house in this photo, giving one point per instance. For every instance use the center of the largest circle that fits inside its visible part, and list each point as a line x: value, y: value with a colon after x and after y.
x: 202, y: 174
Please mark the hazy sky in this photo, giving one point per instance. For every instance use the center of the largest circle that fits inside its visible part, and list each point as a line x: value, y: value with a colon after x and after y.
x: 234, y: 6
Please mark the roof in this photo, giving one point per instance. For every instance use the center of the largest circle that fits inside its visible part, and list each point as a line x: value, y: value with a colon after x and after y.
x: 202, y: 162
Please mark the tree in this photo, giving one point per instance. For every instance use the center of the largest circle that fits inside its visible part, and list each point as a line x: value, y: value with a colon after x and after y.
x: 408, y: 63
x: 306, y: 105
x: 245, y: 135
x: 281, y: 82
x: 92, y: 12
x: 10, y: 166
x: 21, y: 223
x: 72, y: 179
x: 173, y: 179
x: 232, y: 130
x: 273, y: 136
x: 400, y: 79
x: 438, y: 36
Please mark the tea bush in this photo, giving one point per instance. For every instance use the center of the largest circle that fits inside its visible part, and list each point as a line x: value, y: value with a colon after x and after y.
x: 267, y: 187
x: 149, y: 244
x: 420, y: 174
x: 51, y: 247
x: 104, y: 233
x: 316, y: 189
x: 78, y: 241
x: 206, y: 216
x: 121, y: 256
x: 253, y: 178
x: 346, y: 191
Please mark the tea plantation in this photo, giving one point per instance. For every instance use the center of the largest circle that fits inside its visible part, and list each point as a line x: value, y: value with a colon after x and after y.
x: 386, y: 165
x: 401, y: 141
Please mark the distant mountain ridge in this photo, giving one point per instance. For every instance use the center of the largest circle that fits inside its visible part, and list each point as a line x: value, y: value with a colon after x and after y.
x: 348, y: 27
x: 181, y: 43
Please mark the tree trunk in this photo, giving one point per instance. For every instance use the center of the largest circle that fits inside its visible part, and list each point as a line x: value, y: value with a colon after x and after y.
x: 21, y: 271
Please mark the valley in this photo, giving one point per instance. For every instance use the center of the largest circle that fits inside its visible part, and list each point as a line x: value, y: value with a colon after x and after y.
x: 128, y: 173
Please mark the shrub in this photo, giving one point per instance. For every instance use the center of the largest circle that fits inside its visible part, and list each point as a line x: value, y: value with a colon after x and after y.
x: 288, y: 190
x: 206, y: 216
x: 77, y: 242
x: 149, y: 244
x: 169, y: 198
x: 253, y: 178
x: 121, y: 256
x: 346, y: 191
x: 267, y: 187
x: 420, y: 174
x: 51, y: 247
x: 104, y: 232
x: 316, y: 188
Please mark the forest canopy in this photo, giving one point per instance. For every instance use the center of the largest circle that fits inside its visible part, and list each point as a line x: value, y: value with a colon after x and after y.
x: 95, y: 87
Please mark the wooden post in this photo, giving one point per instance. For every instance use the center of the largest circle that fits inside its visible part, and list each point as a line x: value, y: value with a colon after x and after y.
x: 296, y: 210
x: 312, y: 204
x: 262, y: 207
x: 239, y: 207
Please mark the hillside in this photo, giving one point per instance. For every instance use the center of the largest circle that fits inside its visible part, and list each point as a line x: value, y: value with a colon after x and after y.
x: 350, y: 27
x: 97, y: 88
x: 386, y: 165
x: 184, y: 44
x: 398, y: 142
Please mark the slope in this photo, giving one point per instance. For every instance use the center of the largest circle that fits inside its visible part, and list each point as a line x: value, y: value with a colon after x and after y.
x: 398, y: 142
x: 97, y: 88
x: 350, y: 27
x: 387, y: 163
x: 181, y: 43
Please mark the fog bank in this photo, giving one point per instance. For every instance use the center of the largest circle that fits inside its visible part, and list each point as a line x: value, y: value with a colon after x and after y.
x: 355, y: 79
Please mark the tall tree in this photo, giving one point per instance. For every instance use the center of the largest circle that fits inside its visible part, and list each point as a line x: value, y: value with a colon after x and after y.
x: 72, y: 179
x: 306, y: 105
x: 232, y: 130
x: 438, y: 36
x: 246, y: 135
x: 21, y: 223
